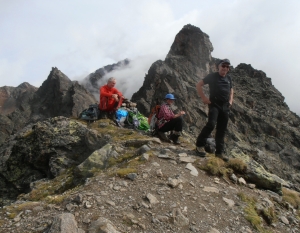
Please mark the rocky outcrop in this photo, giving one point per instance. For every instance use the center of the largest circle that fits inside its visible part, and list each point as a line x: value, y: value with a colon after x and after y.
x: 14, y: 108
x: 15, y: 98
x: 45, y: 150
x: 261, y: 123
x: 58, y: 96
x: 163, y: 196
x: 188, y: 60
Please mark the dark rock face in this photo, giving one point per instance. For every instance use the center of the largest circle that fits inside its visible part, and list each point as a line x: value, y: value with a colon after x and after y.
x: 261, y: 119
x: 188, y: 59
x: 95, y: 80
x: 15, y: 108
x: 58, y: 96
x: 44, y: 150
x: 261, y: 123
x: 12, y: 98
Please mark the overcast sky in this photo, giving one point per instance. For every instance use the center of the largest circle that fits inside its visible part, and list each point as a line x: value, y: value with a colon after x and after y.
x: 81, y: 36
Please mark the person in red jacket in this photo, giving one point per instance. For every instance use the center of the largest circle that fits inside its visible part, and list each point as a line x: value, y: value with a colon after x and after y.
x: 110, y: 97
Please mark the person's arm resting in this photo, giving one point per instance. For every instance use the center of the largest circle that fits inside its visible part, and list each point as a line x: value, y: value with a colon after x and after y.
x: 199, y: 88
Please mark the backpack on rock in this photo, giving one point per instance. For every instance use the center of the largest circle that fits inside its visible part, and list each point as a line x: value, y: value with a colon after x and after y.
x: 137, y: 120
x: 90, y: 114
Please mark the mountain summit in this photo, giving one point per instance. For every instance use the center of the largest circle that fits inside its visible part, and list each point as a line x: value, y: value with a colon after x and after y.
x: 261, y: 124
x: 60, y: 172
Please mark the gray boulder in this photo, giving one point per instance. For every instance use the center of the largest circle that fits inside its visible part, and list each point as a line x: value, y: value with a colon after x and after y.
x: 45, y: 150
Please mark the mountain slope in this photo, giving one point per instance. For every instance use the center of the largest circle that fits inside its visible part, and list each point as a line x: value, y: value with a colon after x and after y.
x: 261, y: 123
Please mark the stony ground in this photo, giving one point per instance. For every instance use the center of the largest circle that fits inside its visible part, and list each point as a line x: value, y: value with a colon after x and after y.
x: 167, y: 193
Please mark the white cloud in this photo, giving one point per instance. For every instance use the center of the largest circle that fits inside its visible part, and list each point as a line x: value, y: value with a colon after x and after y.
x: 80, y: 37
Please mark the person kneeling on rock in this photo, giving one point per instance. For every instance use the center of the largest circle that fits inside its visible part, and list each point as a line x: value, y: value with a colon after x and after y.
x: 168, y: 121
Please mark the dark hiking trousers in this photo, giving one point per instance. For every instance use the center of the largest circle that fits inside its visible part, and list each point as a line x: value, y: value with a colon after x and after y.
x: 174, y: 124
x: 218, y: 115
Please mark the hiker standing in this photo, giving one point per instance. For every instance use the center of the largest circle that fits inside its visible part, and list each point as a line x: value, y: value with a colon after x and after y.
x: 110, y: 97
x: 168, y: 121
x: 219, y: 103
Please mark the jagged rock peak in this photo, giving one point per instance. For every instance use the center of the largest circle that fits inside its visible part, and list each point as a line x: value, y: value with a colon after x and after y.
x: 111, y: 67
x: 59, y: 96
x: 26, y: 85
x: 192, y: 43
x: 94, y: 80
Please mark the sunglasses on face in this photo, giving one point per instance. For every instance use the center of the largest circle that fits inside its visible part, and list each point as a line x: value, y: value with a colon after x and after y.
x: 225, y: 66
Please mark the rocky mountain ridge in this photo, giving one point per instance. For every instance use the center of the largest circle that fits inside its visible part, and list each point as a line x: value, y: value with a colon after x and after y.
x: 261, y: 124
x: 96, y: 79
x: 132, y: 183
x: 47, y: 152
x: 25, y: 104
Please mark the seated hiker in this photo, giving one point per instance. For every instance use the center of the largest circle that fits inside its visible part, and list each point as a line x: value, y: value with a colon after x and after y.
x: 168, y: 121
x: 110, y: 98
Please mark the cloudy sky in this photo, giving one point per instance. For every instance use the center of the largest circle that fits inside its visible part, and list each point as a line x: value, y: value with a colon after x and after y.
x: 81, y: 36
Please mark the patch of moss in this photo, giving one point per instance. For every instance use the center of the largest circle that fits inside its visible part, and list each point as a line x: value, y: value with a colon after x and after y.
x: 113, y: 161
x: 123, y: 172
x: 237, y: 165
x: 269, y: 215
x: 1, y: 222
x: 251, y: 214
x: 291, y: 197
x: 56, y: 199
x: 214, y: 166
x: 15, y: 209
x: 56, y: 186
x: 298, y: 214
x: 247, y: 199
x: 134, y: 163
x: 118, y: 134
x: 27, y: 205
x: 12, y: 215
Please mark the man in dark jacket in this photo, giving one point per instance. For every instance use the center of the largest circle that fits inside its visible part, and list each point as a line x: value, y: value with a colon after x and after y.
x: 219, y: 102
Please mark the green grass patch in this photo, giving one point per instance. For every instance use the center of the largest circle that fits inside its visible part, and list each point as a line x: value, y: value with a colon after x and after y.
x: 269, y: 215
x: 56, y: 186
x: 56, y: 199
x: 1, y: 222
x: 251, y: 214
x: 15, y: 209
x: 291, y: 197
x: 214, y: 166
x: 237, y: 165
x: 247, y: 199
x: 123, y: 172
x: 12, y: 215
x: 126, y: 156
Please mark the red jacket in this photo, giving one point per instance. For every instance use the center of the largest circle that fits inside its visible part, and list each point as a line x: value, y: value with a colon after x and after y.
x: 107, y: 103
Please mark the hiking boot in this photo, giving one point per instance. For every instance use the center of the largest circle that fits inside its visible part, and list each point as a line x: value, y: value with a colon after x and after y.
x: 103, y: 115
x: 174, y: 139
x: 222, y: 156
x: 200, y: 151
x: 111, y: 115
x: 163, y: 136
